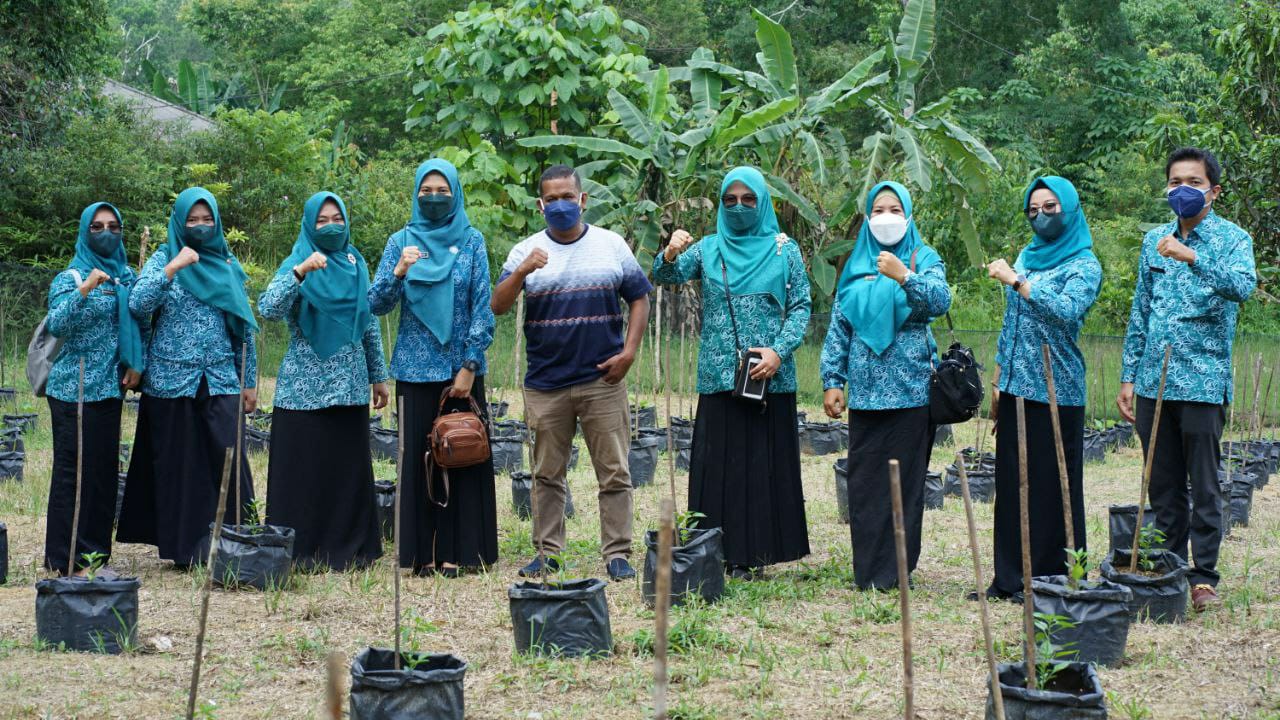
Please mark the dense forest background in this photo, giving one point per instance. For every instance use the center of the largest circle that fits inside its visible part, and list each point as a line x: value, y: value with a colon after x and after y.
x: 964, y: 100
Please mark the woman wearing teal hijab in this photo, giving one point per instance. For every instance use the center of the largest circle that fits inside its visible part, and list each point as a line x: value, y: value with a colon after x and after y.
x: 192, y: 290
x: 320, y: 471
x: 879, y: 344
x: 436, y: 269
x: 745, y: 461
x: 89, y: 313
x: 1049, y: 290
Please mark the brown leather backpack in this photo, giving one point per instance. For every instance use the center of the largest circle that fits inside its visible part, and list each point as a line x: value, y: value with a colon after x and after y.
x: 459, y: 439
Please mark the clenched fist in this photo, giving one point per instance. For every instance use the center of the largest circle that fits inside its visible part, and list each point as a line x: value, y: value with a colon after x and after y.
x: 680, y: 241
x: 316, y: 261
x: 410, y: 255
x: 96, y: 278
x: 186, y: 258
x: 536, y: 260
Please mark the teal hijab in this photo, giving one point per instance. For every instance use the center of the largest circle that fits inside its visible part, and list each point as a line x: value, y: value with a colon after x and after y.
x: 751, y: 258
x: 334, y: 310
x: 130, y: 348
x: 218, y: 279
x: 428, y: 287
x: 876, y: 305
x: 1075, y: 241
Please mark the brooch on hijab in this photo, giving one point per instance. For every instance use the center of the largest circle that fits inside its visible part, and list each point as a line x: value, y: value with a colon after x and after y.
x: 781, y: 240
x: 351, y: 258
x: 453, y: 249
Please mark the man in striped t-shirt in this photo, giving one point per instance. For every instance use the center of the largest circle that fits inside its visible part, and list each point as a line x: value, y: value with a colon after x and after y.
x: 573, y: 275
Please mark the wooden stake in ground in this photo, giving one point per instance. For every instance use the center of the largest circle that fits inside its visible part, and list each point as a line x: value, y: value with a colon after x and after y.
x: 666, y: 384
x: 208, y: 581
x: 1254, y: 417
x: 515, y: 346
x: 75, y: 514
x: 333, y: 685
x: 395, y: 557
x: 661, y: 603
x: 142, y: 247
x: 1151, y: 455
x: 1028, y: 611
x: 988, y: 644
x: 1064, y: 482
x: 904, y: 588
x: 244, y: 360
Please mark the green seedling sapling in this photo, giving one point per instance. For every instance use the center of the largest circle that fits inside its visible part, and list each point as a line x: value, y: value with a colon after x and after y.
x: 415, y: 629
x: 686, y: 523
x: 1150, y: 538
x: 254, y: 511
x: 93, y: 562
x: 1051, y: 658
x: 1078, y: 567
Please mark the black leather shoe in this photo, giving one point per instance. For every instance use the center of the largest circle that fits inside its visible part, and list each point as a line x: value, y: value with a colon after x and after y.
x: 539, y: 567
x: 620, y: 569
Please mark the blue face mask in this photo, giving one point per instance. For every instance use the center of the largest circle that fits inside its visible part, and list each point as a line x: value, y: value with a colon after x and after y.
x: 105, y: 242
x: 331, y: 237
x: 562, y: 215
x: 197, y: 235
x: 740, y: 218
x: 1187, y: 201
x: 1049, y: 226
x: 435, y: 207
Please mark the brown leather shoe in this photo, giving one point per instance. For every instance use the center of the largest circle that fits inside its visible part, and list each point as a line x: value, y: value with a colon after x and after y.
x: 1202, y: 596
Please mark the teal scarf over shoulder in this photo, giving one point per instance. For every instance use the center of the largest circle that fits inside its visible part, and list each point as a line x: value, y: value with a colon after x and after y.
x: 428, y: 288
x: 1075, y: 241
x: 130, y: 348
x: 335, y: 300
x: 218, y: 279
x: 752, y: 258
x: 876, y: 305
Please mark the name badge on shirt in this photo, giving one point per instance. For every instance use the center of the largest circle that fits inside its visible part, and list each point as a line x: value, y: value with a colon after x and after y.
x: 1157, y: 269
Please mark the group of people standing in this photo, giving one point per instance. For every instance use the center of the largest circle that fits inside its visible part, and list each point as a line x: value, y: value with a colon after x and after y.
x: 183, y: 331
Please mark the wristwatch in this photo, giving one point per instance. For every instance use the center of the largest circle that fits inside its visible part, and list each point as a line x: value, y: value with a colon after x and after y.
x: 471, y: 365
x: 1017, y: 283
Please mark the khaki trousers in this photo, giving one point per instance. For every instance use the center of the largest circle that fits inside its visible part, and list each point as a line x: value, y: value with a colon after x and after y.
x: 553, y: 415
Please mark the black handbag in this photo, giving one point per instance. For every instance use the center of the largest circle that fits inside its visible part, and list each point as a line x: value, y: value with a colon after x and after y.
x: 745, y: 387
x: 955, y: 386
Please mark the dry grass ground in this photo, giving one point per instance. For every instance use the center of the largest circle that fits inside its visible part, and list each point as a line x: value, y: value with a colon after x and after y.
x: 800, y: 644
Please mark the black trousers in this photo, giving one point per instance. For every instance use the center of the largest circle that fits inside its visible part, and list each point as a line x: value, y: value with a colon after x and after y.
x: 875, y: 438
x: 99, y: 481
x: 465, y: 532
x: 1044, y: 491
x: 1184, y: 479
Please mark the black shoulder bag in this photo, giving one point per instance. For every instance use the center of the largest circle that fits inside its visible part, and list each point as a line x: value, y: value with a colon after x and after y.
x: 955, y: 387
x: 745, y: 387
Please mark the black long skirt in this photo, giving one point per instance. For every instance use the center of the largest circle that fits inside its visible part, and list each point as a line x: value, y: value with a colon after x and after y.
x: 320, y: 483
x: 1044, y: 492
x: 744, y: 475
x: 875, y: 438
x: 171, y: 492
x: 465, y: 532
x: 99, y: 481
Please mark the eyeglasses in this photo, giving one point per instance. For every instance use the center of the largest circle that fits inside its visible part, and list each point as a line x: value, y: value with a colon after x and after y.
x: 1048, y: 208
x: 99, y: 227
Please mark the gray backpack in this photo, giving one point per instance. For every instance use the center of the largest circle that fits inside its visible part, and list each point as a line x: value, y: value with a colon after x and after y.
x: 43, y: 350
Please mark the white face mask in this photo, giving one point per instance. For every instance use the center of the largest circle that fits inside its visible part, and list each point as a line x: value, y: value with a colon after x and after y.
x: 888, y: 228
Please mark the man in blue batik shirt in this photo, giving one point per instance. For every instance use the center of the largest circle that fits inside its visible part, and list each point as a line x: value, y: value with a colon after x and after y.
x: 1192, y: 276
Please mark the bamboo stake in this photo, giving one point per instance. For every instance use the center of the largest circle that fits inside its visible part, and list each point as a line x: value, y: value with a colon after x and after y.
x: 662, y: 601
x: 75, y: 514
x: 988, y: 643
x: 515, y: 346
x: 333, y: 686
x: 684, y: 364
x: 2, y: 352
x: 1257, y: 396
x: 1267, y: 405
x: 1151, y: 454
x: 672, y: 450
x: 142, y: 247
x: 904, y: 589
x: 244, y: 360
x: 1028, y: 611
x: 1062, y: 453
x: 395, y: 558
x: 208, y: 582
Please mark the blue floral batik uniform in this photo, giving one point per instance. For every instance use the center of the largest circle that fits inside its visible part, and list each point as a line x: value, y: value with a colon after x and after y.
x: 745, y: 461
x: 1191, y: 308
x: 191, y: 395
